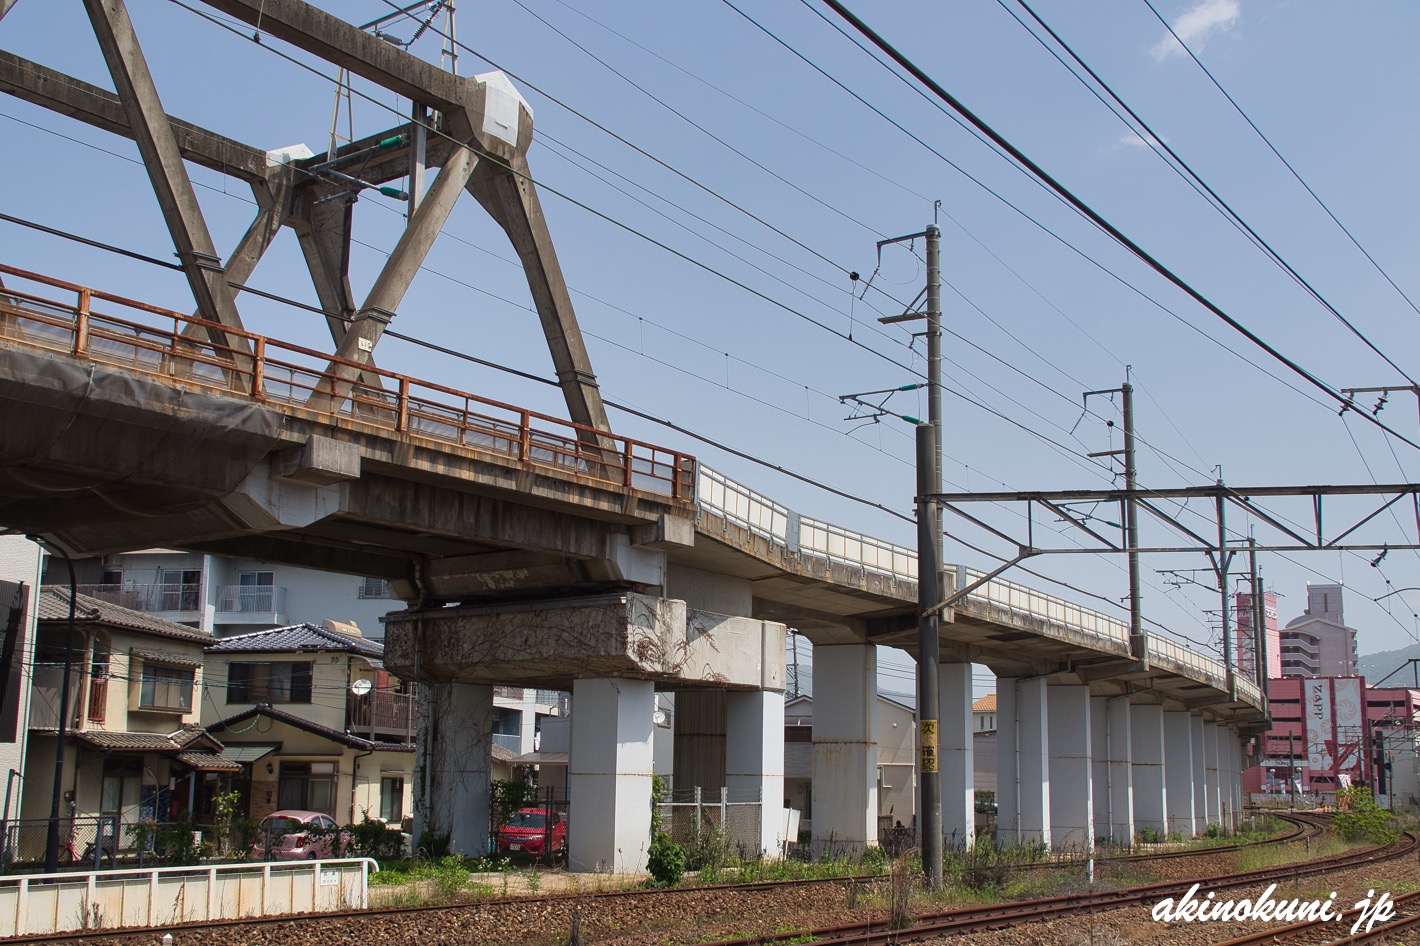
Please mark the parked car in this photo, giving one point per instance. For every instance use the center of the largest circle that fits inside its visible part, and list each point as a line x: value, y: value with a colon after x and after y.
x: 299, y: 835
x: 528, y: 831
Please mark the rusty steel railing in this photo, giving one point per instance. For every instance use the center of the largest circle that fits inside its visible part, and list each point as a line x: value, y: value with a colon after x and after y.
x: 139, y: 337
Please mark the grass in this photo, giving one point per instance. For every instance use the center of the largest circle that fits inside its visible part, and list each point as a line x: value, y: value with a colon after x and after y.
x: 1259, y: 857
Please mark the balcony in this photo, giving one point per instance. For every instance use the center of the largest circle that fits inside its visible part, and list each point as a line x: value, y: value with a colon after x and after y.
x: 174, y: 602
x: 510, y: 741
x: 382, y: 716
x: 45, y: 683
x: 251, y: 604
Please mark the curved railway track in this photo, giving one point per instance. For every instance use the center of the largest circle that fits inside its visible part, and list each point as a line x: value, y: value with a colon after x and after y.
x: 1304, y: 827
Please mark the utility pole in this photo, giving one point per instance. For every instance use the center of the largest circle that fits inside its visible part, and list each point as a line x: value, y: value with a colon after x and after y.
x: 929, y: 572
x: 1138, y: 641
x: 930, y: 591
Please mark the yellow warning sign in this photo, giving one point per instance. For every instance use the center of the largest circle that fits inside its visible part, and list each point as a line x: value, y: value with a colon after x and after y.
x: 927, y: 744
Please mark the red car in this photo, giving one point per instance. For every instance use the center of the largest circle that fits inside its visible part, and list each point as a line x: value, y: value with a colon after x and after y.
x: 298, y: 836
x: 528, y: 831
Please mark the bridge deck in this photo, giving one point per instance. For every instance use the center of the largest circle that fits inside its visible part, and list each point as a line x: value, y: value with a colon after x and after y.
x: 805, y: 572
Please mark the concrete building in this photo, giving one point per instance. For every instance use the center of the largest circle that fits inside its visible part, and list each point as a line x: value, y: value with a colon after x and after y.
x: 1319, y: 644
x: 225, y: 595
x: 1322, y: 740
x: 1248, y: 640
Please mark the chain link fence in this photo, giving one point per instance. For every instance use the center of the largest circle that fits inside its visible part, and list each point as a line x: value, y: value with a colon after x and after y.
x: 731, y: 817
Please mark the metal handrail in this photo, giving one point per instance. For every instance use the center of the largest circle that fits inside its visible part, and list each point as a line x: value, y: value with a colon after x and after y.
x: 298, y: 378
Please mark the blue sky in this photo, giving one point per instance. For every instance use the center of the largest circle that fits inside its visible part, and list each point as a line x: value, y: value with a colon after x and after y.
x: 751, y: 128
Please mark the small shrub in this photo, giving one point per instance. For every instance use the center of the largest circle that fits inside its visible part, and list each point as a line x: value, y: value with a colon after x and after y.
x: 1364, y: 820
x: 666, y: 861
x: 375, y: 839
x: 432, y: 845
x: 1147, y: 835
x: 1214, y: 830
x: 450, y: 876
x: 873, y: 860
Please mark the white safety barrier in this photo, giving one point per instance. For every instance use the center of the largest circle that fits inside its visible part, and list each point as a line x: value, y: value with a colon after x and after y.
x: 742, y: 506
x: 36, y: 904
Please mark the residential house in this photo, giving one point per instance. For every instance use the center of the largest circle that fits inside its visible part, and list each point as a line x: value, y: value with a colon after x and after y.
x: 314, y: 720
x: 20, y: 565
x: 133, y: 748
x: 897, y: 749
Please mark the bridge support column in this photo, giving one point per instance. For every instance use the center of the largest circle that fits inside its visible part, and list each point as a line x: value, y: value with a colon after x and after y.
x: 754, y: 760
x: 454, y: 753
x: 1178, y: 772
x: 1230, y: 760
x: 845, y: 750
x: 955, y: 754
x: 1146, y: 740
x: 1214, y: 785
x: 1022, y: 761
x: 610, y: 774
x: 1118, y: 822
x: 1071, y: 779
x: 1200, y: 775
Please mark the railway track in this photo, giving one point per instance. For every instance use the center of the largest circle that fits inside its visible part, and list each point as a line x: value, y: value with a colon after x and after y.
x: 997, y: 916
x: 1304, y: 827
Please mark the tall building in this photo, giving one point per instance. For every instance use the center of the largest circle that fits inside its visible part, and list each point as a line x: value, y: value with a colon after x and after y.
x: 1319, y: 644
x: 1247, y: 640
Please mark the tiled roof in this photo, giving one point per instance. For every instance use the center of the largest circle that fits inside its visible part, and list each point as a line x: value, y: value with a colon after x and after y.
x: 171, y: 660
x: 987, y: 704
x: 153, y: 742
x: 334, y: 735
x: 503, y: 753
x: 207, y: 762
x: 295, y: 638
x: 54, y: 607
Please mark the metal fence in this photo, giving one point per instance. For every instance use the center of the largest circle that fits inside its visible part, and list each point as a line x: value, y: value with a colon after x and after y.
x: 84, y: 843
x: 688, y: 815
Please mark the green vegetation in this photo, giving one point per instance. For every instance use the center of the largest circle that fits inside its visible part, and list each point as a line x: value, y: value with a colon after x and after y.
x: 1363, y: 819
x: 666, y: 861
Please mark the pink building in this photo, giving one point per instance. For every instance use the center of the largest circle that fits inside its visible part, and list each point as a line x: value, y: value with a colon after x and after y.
x: 1247, y: 640
x: 1331, y: 732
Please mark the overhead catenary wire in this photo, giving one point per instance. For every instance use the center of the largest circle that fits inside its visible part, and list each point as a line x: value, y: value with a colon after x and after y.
x: 1285, y: 163
x: 1157, y: 143
x: 1114, y: 232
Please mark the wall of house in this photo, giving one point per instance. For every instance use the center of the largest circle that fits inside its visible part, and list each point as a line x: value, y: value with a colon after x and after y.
x: 331, y: 675
x: 357, y: 787
x: 121, y: 710
x: 20, y: 560
x: 897, y: 751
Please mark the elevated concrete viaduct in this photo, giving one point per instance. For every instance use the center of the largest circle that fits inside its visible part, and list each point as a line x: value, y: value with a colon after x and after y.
x: 531, y: 549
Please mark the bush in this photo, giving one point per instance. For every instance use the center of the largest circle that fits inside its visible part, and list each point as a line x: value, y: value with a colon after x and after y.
x: 1147, y: 835
x: 666, y: 861
x: 873, y: 860
x: 1363, y: 820
x: 375, y: 839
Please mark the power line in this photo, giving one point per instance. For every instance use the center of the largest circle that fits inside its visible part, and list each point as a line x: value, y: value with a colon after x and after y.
x: 1138, y: 251
x: 1155, y: 143
x: 1285, y: 163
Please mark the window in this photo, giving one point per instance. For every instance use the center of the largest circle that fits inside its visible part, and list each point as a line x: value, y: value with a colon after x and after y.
x: 256, y: 591
x: 181, y: 589
x: 374, y: 588
x: 309, y: 786
x: 165, y: 689
x: 287, y: 682
x: 392, y: 799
